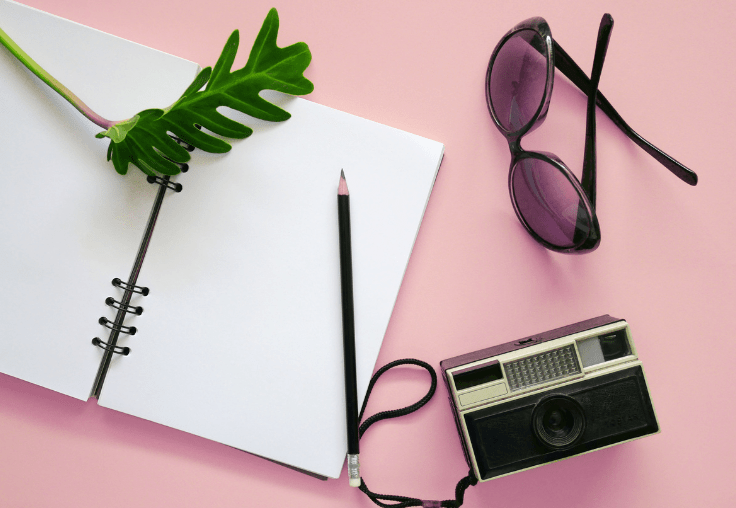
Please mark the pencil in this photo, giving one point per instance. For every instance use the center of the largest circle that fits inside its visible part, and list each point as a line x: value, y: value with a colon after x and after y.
x: 348, y: 330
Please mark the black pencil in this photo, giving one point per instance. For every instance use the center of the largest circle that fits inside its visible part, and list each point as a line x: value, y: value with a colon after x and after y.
x: 348, y: 330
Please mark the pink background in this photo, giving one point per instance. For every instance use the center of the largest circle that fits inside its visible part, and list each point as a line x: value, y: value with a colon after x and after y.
x: 476, y: 278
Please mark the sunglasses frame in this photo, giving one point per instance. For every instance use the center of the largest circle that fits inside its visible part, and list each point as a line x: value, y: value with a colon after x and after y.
x: 557, y: 58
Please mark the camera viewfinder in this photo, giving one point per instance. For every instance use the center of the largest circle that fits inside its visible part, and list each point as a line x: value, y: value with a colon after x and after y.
x: 477, y: 376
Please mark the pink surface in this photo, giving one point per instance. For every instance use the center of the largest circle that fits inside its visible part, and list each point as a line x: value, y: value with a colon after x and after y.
x: 666, y: 261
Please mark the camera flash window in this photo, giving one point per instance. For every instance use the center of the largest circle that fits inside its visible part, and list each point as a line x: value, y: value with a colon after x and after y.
x: 542, y: 367
x: 604, y: 348
x: 591, y: 352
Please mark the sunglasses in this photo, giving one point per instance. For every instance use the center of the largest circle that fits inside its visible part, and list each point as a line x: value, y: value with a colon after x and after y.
x: 556, y: 208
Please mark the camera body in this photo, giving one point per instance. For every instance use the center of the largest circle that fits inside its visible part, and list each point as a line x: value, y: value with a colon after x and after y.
x: 550, y: 396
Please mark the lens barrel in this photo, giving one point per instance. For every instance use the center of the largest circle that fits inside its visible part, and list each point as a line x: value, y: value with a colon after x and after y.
x: 558, y: 422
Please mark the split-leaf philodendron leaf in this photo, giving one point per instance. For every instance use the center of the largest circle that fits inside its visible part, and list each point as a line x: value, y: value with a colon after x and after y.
x: 144, y: 139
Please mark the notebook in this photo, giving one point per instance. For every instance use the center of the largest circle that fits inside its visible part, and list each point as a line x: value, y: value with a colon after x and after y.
x: 240, y: 340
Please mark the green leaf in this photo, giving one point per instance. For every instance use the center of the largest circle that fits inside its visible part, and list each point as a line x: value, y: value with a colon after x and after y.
x: 119, y: 130
x: 144, y: 140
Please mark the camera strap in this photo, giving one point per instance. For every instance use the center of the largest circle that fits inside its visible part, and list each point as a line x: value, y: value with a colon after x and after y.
x: 403, y: 501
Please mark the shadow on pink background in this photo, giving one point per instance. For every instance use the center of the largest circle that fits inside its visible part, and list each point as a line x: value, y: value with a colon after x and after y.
x: 666, y: 261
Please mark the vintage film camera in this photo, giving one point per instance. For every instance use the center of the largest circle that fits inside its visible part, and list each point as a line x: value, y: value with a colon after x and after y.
x: 548, y: 397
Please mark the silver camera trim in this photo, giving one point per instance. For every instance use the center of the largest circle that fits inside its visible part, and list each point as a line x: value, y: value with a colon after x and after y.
x: 503, y: 392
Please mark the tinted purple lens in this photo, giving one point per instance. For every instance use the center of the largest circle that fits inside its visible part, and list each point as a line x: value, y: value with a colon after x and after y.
x: 518, y: 79
x: 549, y: 203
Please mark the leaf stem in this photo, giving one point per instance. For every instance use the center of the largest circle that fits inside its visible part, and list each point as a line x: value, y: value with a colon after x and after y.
x: 47, y: 78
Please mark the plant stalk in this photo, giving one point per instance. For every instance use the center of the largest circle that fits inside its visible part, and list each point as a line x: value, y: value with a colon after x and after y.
x: 47, y: 78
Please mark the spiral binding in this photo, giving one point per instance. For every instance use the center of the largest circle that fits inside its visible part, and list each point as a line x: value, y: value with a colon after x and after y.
x: 187, y: 146
x: 123, y: 306
x: 114, y: 349
x: 133, y: 309
x: 165, y: 182
x: 130, y: 330
x: 129, y: 287
x: 183, y: 166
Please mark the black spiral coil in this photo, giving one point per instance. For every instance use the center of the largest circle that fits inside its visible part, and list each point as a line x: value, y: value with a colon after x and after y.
x: 164, y: 182
x: 123, y: 307
x: 114, y: 349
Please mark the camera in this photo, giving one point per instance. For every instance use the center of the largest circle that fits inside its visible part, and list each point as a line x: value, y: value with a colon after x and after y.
x: 550, y: 396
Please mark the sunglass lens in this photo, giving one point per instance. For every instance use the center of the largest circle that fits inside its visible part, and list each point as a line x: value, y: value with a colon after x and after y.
x: 549, y: 203
x: 518, y: 79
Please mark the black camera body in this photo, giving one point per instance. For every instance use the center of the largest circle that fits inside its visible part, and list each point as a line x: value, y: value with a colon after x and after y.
x: 550, y: 396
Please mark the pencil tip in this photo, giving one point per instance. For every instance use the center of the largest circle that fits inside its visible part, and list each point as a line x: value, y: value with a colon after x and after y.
x: 342, y: 189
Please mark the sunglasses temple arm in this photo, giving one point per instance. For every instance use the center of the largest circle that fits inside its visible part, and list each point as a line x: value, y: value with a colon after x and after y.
x: 572, y: 71
x: 588, y: 181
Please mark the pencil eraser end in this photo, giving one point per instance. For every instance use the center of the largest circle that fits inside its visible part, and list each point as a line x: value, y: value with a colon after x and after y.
x: 354, y: 470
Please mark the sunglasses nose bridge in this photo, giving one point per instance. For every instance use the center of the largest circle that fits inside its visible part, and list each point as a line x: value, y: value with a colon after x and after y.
x: 515, y: 146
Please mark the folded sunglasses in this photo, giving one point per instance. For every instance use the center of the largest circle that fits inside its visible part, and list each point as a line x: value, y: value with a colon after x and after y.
x: 556, y: 208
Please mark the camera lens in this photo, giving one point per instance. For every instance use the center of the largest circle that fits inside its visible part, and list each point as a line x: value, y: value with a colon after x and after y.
x: 558, y: 421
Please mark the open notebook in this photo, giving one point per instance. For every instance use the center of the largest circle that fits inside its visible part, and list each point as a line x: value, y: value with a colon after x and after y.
x: 240, y: 340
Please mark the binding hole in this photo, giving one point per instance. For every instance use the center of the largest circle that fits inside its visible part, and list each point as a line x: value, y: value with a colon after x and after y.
x: 130, y: 330
x: 133, y: 309
x: 182, y: 143
x: 114, y: 349
x: 164, y: 182
x: 183, y: 166
x: 129, y: 287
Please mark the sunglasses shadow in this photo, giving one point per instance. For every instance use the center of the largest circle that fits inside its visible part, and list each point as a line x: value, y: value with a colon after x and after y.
x: 550, y: 276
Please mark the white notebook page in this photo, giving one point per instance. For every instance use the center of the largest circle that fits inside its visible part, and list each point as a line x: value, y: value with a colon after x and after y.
x: 241, y: 340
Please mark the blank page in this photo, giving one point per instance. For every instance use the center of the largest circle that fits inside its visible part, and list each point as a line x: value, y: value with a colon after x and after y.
x: 241, y: 338
x: 68, y: 222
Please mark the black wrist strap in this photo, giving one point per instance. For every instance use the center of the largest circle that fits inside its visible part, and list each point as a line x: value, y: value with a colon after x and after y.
x: 403, y: 501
